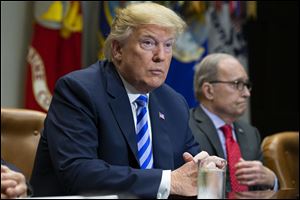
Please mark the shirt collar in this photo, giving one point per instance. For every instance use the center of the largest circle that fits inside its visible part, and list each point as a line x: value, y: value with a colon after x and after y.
x: 217, y: 121
x: 132, y: 93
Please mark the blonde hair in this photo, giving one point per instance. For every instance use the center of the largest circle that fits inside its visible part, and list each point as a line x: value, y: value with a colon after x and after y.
x: 140, y: 14
x: 207, y: 70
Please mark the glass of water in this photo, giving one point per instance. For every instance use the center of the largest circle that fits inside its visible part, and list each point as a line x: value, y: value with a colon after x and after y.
x: 211, y: 179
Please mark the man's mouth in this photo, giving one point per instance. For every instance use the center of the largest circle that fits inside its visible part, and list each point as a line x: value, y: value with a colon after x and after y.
x: 156, y: 71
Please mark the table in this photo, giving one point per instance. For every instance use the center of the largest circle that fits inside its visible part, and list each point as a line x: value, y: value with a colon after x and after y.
x: 265, y: 194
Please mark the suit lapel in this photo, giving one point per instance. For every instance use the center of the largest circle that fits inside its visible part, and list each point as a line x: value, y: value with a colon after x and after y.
x: 242, y: 139
x: 162, y: 149
x: 208, y: 128
x: 121, y: 109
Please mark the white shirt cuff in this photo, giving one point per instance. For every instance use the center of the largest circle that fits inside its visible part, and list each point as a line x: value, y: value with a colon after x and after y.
x: 165, y: 185
x: 275, y: 188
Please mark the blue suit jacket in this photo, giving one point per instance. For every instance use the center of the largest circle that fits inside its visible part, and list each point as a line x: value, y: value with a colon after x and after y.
x: 89, y: 145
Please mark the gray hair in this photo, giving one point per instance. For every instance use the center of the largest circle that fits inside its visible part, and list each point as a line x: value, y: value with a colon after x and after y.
x: 139, y: 14
x: 207, y: 70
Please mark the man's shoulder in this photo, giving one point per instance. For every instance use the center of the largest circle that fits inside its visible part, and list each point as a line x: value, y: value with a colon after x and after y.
x: 91, y: 70
x: 198, y: 114
x: 90, y: 75
x: 245, y: 125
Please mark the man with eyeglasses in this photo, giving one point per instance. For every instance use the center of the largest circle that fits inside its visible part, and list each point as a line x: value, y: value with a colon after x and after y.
x: 222, y: 87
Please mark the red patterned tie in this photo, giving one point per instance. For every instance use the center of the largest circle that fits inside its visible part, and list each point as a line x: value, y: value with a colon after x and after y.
x: 233, y: 156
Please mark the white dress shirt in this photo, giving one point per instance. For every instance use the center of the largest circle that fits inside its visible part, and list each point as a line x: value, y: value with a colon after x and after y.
x: 133, y: 94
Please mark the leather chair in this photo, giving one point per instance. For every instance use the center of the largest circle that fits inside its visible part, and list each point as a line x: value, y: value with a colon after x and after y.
x: 20, y: 134
x: 281, y: 154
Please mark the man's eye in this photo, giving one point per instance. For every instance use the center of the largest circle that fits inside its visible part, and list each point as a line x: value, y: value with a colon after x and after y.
x: 169, y: 44
x: 147, y: 44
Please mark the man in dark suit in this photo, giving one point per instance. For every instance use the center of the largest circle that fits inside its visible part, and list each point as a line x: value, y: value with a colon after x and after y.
x: 222, y: 88
x: 115, y: 126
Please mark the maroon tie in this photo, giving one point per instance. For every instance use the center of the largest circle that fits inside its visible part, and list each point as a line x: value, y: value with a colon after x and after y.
x: 233, y: 156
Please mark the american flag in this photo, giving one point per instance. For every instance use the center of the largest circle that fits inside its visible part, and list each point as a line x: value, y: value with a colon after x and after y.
x: 162, y: 116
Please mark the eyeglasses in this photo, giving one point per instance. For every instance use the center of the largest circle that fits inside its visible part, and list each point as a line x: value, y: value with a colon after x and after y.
x: 239, y: 85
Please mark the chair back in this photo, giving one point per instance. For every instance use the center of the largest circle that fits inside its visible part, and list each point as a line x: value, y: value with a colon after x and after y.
x: 281, y: 154
x: 20, y: 134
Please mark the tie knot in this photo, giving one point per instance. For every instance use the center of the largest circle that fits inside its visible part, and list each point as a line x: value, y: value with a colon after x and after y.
x: 142, y: 100
x: 227, y: 130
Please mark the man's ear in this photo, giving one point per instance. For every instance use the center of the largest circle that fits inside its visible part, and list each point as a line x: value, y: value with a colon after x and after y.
x: 116, y: 50
x: 208, y: 91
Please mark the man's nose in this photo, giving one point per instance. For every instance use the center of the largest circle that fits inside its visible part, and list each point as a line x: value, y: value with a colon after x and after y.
x: 159, y: 53
x: 246, y: 92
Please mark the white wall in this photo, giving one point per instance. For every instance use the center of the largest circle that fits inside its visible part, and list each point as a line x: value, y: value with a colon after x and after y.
x: 90, y: 29
x: 16, y: 23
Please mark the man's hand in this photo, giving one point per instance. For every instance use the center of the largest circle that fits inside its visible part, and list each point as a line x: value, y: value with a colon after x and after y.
x: 184, y: 179
x: 254, y: 173
x: 13, y: 184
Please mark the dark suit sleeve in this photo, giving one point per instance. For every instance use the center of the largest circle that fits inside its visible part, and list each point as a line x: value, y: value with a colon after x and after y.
x: 192, y: 146
x: 259, y: 154
x: 10, y: 166
x: 74, y: 135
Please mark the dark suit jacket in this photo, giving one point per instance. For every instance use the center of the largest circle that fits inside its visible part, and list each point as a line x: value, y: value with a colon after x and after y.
x: 206, y: 134
x: 89, y: 141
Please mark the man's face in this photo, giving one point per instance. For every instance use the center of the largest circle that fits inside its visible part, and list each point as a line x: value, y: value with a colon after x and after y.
x: 228, y: 101
x: 144, y: 58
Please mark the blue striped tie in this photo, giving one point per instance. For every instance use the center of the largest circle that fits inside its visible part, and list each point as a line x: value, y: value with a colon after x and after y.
x: 143, y: 134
